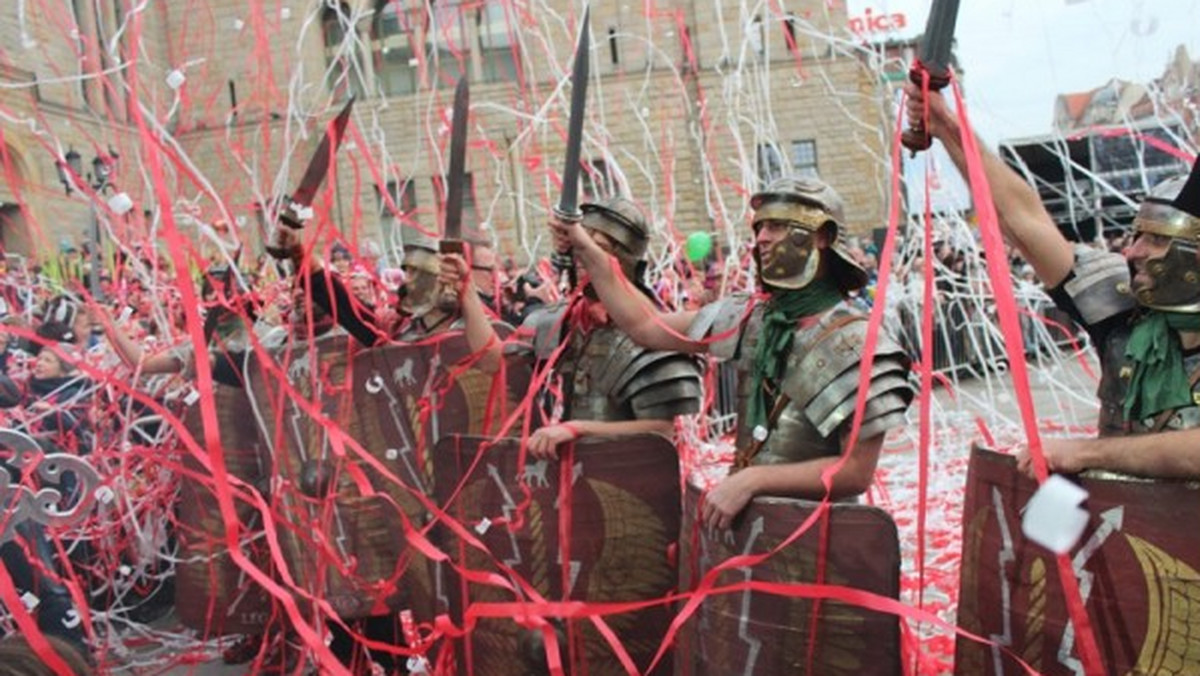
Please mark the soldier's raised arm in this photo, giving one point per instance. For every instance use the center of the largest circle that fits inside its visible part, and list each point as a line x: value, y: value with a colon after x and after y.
x: 455, y: 273
x: 631, y: 309
x: 1023, y: 219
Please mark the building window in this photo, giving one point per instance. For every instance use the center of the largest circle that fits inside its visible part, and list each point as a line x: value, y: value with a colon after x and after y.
x: 85, y: 90
x: 497, y: 51
x: 403, y: 196
x: 770, y: 163
x: 598, y: 182
x: 446, y: 43
x: 87, y: 50
x: 393, y: 40
x: 804, y: 158
x: 128, y: 96
x: 342, y: 71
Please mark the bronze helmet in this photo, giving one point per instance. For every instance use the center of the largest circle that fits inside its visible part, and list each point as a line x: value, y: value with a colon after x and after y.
x: 623, y: 222
x: 1172, y: 209
x: 419, y: 294
x: 809, y: 205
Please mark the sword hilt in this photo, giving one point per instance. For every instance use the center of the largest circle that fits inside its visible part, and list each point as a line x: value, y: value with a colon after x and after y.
x: 283, y: 241
x: 574, y: 216
x: 292, y: 215
x: 448, y: 297
x: 565, y: 260
x: 916, y: 138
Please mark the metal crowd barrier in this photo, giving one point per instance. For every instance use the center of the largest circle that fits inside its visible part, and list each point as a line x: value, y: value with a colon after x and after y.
x: 967, y: 340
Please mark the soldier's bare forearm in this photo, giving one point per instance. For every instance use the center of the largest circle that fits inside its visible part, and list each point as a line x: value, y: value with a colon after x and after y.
x: 586, y: 428
x: 1023, y: 218
x: 481, y: 335
x: 803, y: 479
x: 1165, y: 455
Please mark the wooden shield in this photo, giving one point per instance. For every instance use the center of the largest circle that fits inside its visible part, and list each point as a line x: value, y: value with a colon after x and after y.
x: 439, y: 394
x: 1136, y: 564
x: 338, y: 509
x: 599, y: 528
x: 756, y: 632
x: 341, y: 507
x: 213, y: 595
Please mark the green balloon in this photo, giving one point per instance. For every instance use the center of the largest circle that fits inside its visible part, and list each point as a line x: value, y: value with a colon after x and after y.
x: 698, y: 246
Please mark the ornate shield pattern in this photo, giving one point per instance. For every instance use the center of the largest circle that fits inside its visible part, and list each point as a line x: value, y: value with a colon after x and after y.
x: 755, y: 632
x: 339, y: 511
x: 621, y: 513
x: 1136, y: 564
x: 337, y: 515
x: 213, y: 594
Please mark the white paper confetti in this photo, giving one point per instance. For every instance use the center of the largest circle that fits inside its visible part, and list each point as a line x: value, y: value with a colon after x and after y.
x: 1053, y: 517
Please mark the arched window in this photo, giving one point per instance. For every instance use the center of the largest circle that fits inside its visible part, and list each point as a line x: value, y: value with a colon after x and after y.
x: 343, y: 73
x: 394, y: 34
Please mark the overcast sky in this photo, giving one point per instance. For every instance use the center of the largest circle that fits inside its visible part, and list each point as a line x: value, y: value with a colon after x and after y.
x: 1017, y: 55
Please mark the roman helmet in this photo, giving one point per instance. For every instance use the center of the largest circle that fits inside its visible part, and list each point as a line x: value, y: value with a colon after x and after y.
x: 420, y: 292
x: 808, y: 205
x: 622, y: 222
x: 226, y: 301
x: 1172, y: 209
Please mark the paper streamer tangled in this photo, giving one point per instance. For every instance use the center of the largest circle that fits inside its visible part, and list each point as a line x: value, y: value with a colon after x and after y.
x: 200, y: 144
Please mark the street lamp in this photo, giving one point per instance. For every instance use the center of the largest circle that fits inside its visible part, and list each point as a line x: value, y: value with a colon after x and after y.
x: 70, y: 170
x: 72, y: 162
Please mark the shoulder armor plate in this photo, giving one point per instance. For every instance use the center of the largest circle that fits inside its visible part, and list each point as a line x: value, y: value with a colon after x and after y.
x: 824, y: 370
x: 1100, y: 287
x: 718, y: 319
x: 546, y: 324
x: 657, y: 385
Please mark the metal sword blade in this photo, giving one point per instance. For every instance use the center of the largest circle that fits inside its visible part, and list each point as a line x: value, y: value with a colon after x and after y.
x: 457, y: 176
x: 568, y: 203
x: 318, y: 166
x: 938, y: 41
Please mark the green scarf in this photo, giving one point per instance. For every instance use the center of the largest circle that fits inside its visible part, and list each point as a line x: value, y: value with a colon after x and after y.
x: 783, y: 310
x: 1159, y: 381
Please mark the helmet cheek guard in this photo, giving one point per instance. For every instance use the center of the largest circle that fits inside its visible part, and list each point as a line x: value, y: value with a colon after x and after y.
x: 419, y: 292
x: 1172, y: 209
x: 792, y: 262
x: 809, y: 206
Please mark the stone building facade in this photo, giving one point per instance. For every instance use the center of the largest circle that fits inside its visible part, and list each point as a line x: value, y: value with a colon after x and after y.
x: 215, y: 107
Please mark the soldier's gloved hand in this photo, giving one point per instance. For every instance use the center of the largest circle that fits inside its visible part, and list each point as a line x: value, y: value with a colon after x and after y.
x: 285, y: 243
x: 560, y: 257
x: 568, y: 234
x: 543, y: 444
x: 723, y: 503
x: 294, y: 215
